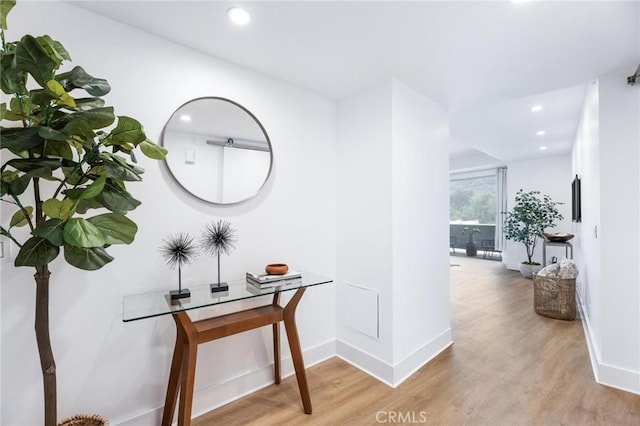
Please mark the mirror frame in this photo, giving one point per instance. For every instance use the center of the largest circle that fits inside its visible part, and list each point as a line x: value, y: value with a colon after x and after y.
x: 264, y: 132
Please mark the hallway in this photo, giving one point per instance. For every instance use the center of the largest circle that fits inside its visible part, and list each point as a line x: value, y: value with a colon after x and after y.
x: 507, y: 366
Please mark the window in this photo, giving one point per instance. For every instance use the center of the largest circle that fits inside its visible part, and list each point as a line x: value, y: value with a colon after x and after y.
x: 473, y: 200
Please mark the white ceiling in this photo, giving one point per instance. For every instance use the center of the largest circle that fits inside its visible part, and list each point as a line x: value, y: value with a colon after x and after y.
x: 484, y: 61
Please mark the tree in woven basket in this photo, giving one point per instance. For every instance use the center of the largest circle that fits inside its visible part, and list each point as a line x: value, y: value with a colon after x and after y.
x: 531, y: 214
x: 65, y: 161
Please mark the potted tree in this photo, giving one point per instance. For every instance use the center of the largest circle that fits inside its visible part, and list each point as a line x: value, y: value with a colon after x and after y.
x: 471, y: 247
x: 531, y: 214
x: 65, y: 162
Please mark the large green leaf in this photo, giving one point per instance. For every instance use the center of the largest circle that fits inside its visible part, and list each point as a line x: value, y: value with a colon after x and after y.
x: 55, y: 208
x: 117, y: 167
x: 117, y: 199
x: 152, y: 150
x: 89, y: 259
x: 62, y: 97
x: 117, y: 228
x: 85, y: 205
x: 81, y: 131
x: 51, y: 230
x: 97, y: 118
x: 127, y: 131
x: 5, y: 7
x: 41, y: 97
x: 33, y: 58
x: 21, y: 217
x: 54, y: 49
x: 20, y: 184
x: 36, y: 251
x: 13, y: 79
x: 79, y: 232
x: 78, y: 78
x: 86, y: 104
x: 94, y: 189
x: 31, y: 164
x: 22, y: 104
x: 9, y: 176
x: 52, y: 134
x: 19, y: 139
x: 116, y: 171
x: 59, y: 149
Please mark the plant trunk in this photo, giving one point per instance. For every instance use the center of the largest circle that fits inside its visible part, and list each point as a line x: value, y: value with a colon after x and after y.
x: 47, y: 363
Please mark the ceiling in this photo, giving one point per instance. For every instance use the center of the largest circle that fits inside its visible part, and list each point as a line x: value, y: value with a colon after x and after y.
x: 486, y: 62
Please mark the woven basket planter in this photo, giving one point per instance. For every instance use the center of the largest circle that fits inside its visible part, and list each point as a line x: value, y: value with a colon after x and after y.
x: 84, y: 420
x: 554, y: 297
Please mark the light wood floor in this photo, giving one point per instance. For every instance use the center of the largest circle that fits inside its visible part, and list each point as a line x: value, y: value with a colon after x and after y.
x: 508, y: 366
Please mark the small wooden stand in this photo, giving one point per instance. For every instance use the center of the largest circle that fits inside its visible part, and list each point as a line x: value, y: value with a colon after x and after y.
x: 190, y: 334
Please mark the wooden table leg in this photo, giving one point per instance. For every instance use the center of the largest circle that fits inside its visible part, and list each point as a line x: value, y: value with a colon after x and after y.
x: 182, y: 375
x: 276, y: 344
x: 174, y: 379
x: 188, y: 377
x: 296, y: 352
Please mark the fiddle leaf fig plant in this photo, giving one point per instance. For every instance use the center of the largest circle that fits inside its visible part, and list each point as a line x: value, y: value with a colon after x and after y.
x: 531, y: 214
x: 66, y: 160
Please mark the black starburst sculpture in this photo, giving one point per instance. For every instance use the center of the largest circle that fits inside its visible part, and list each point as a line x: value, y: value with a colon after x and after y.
x: 218, y: 238
x: 178, y: 250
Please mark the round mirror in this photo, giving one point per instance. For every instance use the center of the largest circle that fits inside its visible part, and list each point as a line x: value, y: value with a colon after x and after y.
x: 218, y: 150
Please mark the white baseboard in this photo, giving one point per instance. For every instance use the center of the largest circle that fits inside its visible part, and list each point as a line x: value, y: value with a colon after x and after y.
x: 370, y: 364
x: 394, y: 375
x: 606, y: 374
x: 219, y: 394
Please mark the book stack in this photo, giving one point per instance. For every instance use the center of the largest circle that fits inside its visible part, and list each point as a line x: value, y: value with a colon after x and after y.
x: 264, y: 280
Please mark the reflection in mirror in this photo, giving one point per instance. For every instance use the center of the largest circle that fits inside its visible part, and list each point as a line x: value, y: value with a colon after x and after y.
x: 218, y: 150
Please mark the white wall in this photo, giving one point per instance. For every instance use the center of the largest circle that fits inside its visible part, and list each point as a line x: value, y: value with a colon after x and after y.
x: 610, y: 298
x: 551, y: 176
x: 421, y: 308
x: 475, y: 160
x: 393, y: 298
x: 619, y: 178
x: 120, y: 370
x: 364, y: 226
x: 586, y: 164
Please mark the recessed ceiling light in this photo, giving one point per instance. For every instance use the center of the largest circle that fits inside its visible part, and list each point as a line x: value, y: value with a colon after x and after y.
x: 536, y: 108
x: 239, y: 16
x: 541, y: 133
x: 185, y: 117
x: 543, y: 148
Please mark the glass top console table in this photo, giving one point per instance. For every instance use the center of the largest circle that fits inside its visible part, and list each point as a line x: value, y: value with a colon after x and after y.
x: 189, y: 334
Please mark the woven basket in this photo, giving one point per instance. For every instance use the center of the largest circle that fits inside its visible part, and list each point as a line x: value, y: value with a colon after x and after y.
x: 554, y: 297
x: 84, y: 420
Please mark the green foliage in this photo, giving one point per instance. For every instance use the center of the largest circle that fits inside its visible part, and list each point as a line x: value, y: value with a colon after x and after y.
x: 5, y: 7
x: 530, y: 216
x: 71, y: 149
x: 473, y: 199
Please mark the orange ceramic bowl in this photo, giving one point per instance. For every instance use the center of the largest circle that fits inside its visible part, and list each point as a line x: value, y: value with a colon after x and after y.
x: 277, y: 268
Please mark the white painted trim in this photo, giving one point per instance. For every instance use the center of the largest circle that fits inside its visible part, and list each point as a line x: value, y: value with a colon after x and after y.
x: 368, y: 363
x: 215, y: 396
x: 606, y: 374
x: 588, y: 336
x: 394, y: 375
x: 405, y: 368
x: 473, y: 173
x: 619, y: 378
